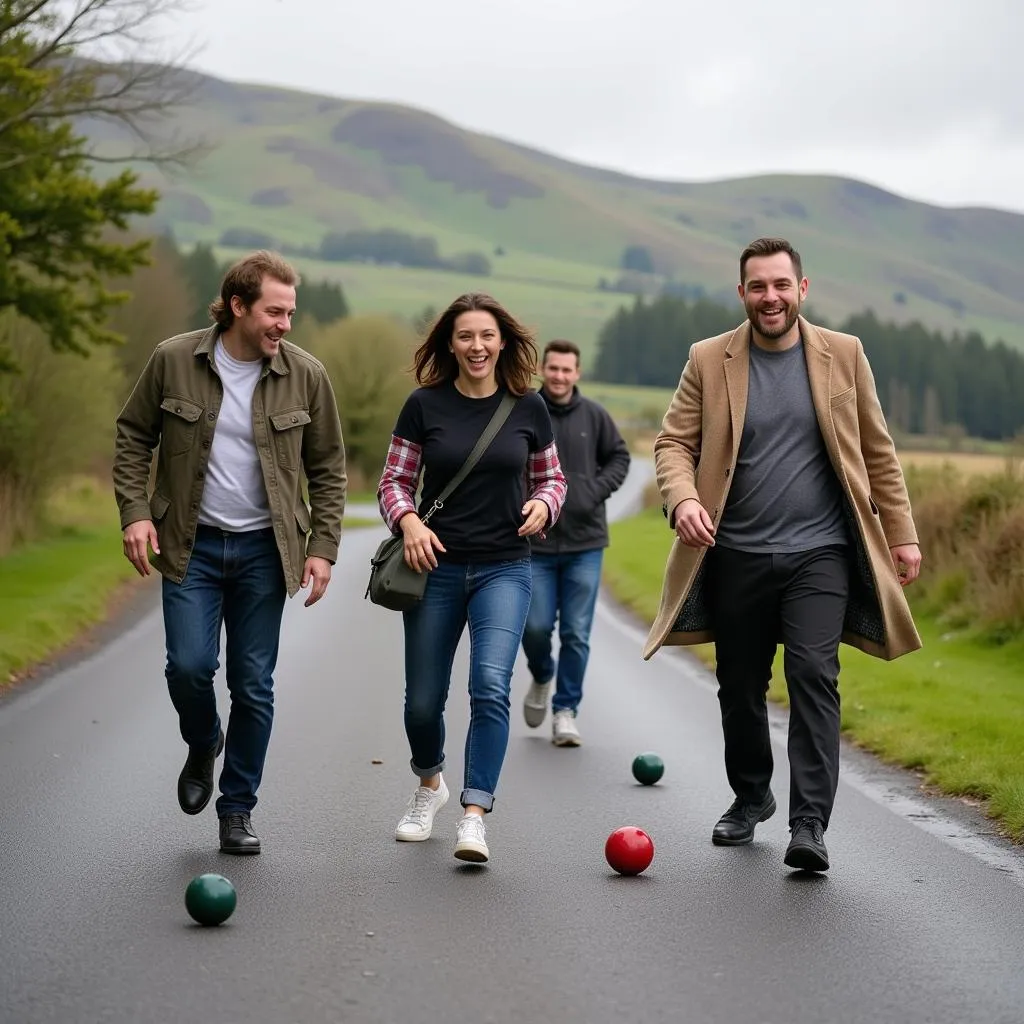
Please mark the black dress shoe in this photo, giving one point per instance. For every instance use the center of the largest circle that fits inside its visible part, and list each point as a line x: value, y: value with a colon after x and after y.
x: 736, y: 826
x: 195, y: 783
x: 806, y: 850
x: 237, y: 835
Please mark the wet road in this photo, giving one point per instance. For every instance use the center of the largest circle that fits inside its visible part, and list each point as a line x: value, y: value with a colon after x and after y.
x: 921, y: 919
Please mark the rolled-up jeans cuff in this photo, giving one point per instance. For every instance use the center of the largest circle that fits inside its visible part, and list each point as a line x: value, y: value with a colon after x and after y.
x: 427, y: 773
x: 478, y: 798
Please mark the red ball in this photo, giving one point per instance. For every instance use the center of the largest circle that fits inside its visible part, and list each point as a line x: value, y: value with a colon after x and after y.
x: 629, y: 850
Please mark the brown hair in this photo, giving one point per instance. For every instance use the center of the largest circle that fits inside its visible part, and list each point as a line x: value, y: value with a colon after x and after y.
x: 769, y: 247
x: 245, y: 279
x: 565, y: 347
x: 434, y: 362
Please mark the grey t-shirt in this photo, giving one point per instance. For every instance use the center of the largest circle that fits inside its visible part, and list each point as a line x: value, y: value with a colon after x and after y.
x: 784, y: 495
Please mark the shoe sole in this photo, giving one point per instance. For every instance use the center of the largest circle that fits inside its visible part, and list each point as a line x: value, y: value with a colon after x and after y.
x: 566, y: 741
x: 473, y: 854
x: 765, y: 815
x: 805, y: 858
x: 240, y: 851
x: 404, y: 837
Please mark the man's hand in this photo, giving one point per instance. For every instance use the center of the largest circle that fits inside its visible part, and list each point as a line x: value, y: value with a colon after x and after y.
x: 138, y: 538
x: 319, y: 571
x: 420, y: 543
x: 536, y: 513
x: 906, y: 558
x: 693, y: 524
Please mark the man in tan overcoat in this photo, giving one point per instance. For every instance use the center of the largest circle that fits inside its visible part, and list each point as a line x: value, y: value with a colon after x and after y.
x: 793, y: 526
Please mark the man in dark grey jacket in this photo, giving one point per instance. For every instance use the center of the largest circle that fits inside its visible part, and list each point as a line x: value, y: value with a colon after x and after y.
x: 567, y: 561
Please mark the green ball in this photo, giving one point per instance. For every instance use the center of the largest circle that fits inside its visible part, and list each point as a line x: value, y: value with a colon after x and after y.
x: 648, y: 768
x: 210, y: 899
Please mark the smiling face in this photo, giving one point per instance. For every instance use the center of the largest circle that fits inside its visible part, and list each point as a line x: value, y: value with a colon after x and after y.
x: 476, y: 343
x: 561, y: 371
x: 257, y: 330
x: 772, y: 296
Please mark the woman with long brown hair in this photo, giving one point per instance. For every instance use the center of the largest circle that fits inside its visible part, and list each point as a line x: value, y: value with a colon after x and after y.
x: 475, y: 548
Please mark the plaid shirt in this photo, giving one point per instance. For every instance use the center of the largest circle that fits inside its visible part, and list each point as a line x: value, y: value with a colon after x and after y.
x: 396, y: 494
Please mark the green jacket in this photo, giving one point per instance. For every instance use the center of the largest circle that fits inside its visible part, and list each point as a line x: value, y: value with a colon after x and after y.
x: 295, y: 422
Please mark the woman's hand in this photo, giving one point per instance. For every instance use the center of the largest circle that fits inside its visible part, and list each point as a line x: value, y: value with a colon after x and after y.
x: 420, y: 543
x: 536, y: 513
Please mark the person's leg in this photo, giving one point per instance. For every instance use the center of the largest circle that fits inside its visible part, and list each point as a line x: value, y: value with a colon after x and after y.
x: 498, y: 603
x: 743, y: 604
x: 813, y: 609
x: 745, y: 617
x: 432, y: 631
x: 540, y: 624
x: 254, y: 596
x: 192, y: 613
x: 580, y: 581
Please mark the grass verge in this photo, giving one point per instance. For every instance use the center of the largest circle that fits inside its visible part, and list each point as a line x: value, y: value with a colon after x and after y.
x: 952, y: 711
x: 55, y: 588
x: 64, y: 583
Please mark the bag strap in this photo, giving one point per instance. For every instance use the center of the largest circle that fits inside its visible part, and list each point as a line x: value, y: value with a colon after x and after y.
x: 483, y: 441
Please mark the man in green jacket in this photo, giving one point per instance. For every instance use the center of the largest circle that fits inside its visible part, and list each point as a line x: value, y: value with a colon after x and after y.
x: 239, y: 415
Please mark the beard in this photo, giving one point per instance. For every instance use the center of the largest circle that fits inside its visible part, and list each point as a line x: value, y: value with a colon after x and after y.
x: 790, y: 313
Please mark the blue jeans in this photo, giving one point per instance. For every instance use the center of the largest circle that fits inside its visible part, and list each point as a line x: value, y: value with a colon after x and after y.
x: 492, y: 597
x: 565, y: 587
x: 235, y: 579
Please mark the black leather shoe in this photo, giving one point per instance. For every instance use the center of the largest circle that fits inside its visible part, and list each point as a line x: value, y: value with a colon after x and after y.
x: 195, y: 783
x: 806, y: 850
x: 237, y: 835
x: 736, y: 826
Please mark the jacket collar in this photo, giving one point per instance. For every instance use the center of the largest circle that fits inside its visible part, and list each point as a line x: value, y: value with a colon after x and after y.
x: 740, y: 342
x: 208, y: 340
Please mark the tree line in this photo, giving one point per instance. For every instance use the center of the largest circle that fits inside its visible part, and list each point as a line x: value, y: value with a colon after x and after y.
x: 928, y: 383
x: 387, y: 246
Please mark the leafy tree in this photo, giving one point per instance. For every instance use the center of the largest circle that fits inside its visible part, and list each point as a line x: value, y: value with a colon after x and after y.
x: 925, y: 381
x: 638, y: 258
x: 157, y: 309
x: 246, y: 238
x: 56, y: 419
x: 60, y: 67
x: 367, y: 360
x: 204, y: 275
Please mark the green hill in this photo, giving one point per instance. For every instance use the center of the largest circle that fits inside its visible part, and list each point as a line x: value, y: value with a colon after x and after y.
x: 295, y: 166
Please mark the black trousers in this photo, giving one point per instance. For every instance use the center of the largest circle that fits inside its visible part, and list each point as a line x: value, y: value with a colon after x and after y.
x: 757, y: 601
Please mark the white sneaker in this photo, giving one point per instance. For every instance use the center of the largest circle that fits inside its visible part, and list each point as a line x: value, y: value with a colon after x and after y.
x: 563, y: 729
x: 471, y: 839
x: 418, y: 820
x: 535, y: 705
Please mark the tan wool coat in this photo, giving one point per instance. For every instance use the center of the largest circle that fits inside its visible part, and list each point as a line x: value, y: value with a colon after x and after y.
x: 695, y: 455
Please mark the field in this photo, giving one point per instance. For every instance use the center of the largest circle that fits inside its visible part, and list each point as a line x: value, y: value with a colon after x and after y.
x: 295, y: 166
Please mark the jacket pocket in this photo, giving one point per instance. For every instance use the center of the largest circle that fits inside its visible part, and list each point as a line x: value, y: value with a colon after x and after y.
x: 158, y: 506
x: 302, y: 517
x: 288, y: 428
x: 843, y: 397
x: 178, y: 426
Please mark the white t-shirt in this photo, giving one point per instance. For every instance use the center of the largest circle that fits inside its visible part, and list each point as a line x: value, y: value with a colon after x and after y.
x: 235, y: 497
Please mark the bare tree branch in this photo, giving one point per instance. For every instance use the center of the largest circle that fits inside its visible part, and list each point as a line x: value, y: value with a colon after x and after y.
x: 106, y: 64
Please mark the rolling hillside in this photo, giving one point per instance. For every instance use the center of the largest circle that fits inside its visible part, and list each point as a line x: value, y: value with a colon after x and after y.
x: 295, y: 166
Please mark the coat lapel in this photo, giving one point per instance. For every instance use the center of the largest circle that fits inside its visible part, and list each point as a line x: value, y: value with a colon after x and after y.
x: 819, y: 373
x: 737, y: 379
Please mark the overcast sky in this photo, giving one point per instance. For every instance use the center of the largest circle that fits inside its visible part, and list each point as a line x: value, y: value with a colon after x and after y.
x: 923, y: 98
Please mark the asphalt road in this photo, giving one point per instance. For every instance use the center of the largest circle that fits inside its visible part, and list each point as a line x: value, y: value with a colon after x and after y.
x: 921, y: 918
